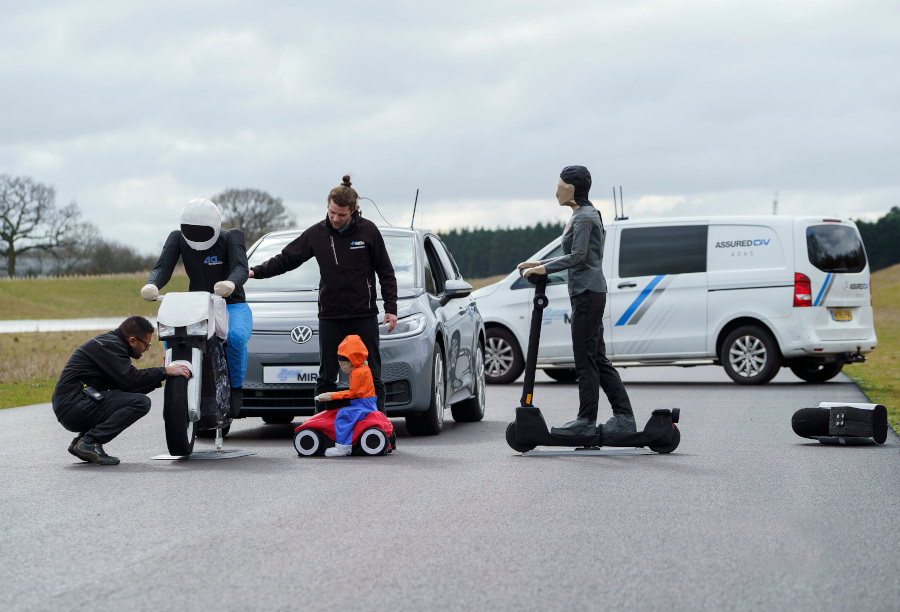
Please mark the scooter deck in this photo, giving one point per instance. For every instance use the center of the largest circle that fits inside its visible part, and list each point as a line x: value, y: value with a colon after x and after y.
x: 207, y: 455
x: 593, y: 452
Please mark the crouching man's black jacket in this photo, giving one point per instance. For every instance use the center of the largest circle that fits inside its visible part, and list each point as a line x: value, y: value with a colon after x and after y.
x: 348, y: 262
x: 104, y: 363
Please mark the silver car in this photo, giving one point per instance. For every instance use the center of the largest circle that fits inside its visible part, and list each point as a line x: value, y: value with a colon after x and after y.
x: 432, y: 360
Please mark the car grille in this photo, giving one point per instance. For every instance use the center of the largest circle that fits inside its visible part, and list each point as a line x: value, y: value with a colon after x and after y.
x: 279, y: 396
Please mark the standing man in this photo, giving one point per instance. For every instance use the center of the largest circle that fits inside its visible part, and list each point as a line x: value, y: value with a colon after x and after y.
x: 100, y: 393
x: 582, y: 243
x: 350, y: 252
x: 215, y: 262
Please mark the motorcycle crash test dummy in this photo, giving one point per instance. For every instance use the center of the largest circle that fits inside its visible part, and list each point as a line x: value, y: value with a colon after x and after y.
x: 216, y: 262
x: 582, y: 244
x: 362, y: 403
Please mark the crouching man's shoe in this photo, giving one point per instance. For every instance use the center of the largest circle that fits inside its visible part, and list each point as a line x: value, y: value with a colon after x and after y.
x: 92, y: 453
x: 620, y: 423
x: 338, y: 450
x: 578, y: 427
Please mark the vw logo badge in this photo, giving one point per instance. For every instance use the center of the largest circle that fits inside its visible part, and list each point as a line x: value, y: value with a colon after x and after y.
x: 301, y: 334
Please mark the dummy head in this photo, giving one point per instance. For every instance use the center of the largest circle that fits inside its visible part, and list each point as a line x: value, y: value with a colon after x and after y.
x: 200, y: 223
x: 575, y: 185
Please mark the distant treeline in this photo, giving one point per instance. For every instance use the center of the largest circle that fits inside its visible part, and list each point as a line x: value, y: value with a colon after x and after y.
x: 484, y: 252
x: 882, y: 239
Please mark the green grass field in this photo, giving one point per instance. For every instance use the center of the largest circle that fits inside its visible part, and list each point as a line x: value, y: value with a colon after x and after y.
x: 31, y: 362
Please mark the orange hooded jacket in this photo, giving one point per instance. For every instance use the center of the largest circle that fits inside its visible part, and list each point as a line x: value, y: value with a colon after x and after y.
x: 361, y: 384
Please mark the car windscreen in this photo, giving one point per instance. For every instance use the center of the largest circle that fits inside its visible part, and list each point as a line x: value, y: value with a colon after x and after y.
x: 835, y: 248
x: 401, y: 250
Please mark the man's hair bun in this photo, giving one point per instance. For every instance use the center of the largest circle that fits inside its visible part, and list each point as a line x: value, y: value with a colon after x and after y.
x: 345, y: 181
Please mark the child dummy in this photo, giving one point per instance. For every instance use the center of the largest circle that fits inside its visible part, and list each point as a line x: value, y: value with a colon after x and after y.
x: 352, y: 355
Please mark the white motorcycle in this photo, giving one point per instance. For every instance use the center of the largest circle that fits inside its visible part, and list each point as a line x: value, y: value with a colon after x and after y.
x: 194, y: 325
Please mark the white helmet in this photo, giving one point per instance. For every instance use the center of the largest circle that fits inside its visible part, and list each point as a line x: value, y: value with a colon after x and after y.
x: 200, y: 223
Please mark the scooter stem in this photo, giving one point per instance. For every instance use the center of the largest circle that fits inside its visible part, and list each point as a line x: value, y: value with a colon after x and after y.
x: 534, y: 335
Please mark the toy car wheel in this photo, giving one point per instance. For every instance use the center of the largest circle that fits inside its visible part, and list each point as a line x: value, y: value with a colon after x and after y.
x: 511, y: 440
x: 373, y: 441
x: 309, y: 442
x: 668, y: 448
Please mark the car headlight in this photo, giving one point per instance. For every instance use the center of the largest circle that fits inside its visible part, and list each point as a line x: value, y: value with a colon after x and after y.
x: 165, y: 330
x: 407, y: 326
x: 197, y: 329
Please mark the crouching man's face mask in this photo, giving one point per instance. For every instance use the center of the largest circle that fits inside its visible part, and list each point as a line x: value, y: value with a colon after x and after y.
x: 200, y: 223
x: 565, y: 193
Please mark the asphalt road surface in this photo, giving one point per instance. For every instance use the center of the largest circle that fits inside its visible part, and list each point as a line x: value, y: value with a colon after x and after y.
x: 744, y: 515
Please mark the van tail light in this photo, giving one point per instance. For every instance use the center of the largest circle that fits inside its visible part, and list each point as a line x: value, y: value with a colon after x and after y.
x: 802, y: 290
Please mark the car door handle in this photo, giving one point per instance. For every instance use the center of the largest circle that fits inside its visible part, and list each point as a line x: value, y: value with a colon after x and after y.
x: 626, y: 285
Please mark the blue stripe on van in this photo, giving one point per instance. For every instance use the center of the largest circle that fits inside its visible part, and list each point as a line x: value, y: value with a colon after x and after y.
x: 822, y: 290
x: 639, y: 299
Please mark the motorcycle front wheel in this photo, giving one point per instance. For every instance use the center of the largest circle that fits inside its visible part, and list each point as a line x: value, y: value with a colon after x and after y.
x: 179, y: 428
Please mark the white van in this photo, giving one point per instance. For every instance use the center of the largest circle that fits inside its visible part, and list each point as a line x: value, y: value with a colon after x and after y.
x: 749, y: 293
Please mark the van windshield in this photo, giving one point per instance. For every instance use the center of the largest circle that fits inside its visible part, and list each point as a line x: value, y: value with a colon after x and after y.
x: 835, y: 248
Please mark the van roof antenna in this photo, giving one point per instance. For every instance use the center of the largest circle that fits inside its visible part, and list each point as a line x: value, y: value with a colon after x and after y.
x: 615, y: 205
x: 414, y: 210
x: 621, y: 203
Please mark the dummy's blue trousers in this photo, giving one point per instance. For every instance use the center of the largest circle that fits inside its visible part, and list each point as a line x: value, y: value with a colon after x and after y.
x: 349, y: 416
x: 240, y: 324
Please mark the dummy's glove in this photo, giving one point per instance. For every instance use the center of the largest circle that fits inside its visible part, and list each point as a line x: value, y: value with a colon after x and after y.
x: 149, y: 292
x: 324, y: 397
x: 224, y: 288
x: 528, y: 264
x: 536, y: 270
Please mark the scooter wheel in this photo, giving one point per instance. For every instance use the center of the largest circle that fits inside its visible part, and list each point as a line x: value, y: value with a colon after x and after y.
x: 373, y: 441
x: 308, y: 443
x: 668, y: 448
x: 511, y: 440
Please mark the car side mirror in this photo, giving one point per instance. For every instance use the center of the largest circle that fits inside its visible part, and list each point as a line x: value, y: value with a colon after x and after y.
x: 454, y: 289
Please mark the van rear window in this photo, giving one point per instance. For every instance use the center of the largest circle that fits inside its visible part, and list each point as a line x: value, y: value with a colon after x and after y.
x: 650, y: 251
x: 835, y: 248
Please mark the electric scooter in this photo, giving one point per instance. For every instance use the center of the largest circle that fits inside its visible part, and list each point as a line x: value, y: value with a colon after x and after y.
x: 194, y: 325
x: 529, y: 430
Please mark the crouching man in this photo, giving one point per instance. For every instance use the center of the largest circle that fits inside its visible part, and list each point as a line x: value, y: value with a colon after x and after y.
x: 100, y: 393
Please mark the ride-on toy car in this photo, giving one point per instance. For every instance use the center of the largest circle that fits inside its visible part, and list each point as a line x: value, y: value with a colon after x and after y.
x: 373, y: 435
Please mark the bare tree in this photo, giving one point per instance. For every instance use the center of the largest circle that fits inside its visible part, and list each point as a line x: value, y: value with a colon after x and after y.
x: 29, y: 218
x: 253, y: 211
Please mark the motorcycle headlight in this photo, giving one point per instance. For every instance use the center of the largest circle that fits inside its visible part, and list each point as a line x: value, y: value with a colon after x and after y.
x: 197, y: 329
x: 165, y: 330
x: 407, y: 326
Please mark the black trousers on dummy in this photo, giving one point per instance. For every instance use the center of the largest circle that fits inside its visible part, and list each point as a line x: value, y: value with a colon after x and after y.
x: 104, y: 420
x: 331, y: 333
x: 592, y: 367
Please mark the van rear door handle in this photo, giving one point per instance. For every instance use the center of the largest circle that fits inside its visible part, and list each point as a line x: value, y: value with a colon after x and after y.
x: 625, y: 285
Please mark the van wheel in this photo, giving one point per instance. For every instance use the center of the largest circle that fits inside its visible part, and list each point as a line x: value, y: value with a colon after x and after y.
x: 816, y: 372
x: 750, y: 356
x: 503, y: 357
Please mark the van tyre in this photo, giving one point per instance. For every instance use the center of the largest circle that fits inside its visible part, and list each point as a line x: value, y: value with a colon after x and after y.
x: 816, y: 372
x: 430, y: 422
x: 472, y: 410
x: 504, y: 362
x: 750, y: 355
x: 180, y: 431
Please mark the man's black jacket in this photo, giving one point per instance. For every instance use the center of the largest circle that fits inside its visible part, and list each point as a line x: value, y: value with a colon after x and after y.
x: 225, y: 260
x: 348, y: 262
x: 104, y: 363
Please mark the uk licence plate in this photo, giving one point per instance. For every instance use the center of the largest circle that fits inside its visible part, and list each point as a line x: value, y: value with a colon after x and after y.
x: 841, y: 315
x: 299, y: 375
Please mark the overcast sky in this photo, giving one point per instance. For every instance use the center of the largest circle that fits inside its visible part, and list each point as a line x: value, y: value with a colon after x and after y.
x: 695, y: 107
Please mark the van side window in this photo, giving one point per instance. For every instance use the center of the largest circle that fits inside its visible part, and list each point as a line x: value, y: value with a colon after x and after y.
x: 557, y: 278
x: 835, y: 248
x: 651, y: 251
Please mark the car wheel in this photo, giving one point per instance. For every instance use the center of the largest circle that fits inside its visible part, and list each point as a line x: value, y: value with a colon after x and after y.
x: 472, y: 410
x: 278, y: 419
x: 816, y: 372
x: 750, y: 356
x: 503, y: 358
x: 431, y: 421
x: 563, y: 375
